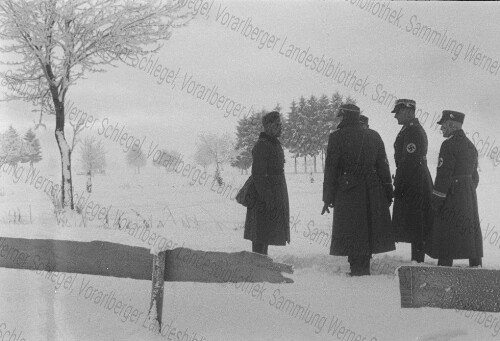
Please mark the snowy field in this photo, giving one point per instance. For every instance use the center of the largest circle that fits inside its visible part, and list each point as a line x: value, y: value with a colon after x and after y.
x: 46, y: 306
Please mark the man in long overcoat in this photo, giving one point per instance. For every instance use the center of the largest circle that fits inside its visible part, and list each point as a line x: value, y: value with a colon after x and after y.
x: 268, y: 219
x: 412, y: 212
x: 357, y: 183
x: 456, y: 232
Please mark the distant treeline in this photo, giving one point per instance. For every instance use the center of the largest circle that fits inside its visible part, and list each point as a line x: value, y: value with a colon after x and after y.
x: 306, y: 127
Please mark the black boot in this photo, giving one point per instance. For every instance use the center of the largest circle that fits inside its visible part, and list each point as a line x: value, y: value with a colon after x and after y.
x: 360, y: 265
x: 417, y: 252
x: 259, y: 248
x: 475, y: 263
x: 445, y: 262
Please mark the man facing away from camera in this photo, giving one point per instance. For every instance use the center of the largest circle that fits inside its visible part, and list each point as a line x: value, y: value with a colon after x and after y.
x: 364, y: 121
x: 357, y: 184
x: 457, y: 232
x: 268, y: 221
x: 412, y: 213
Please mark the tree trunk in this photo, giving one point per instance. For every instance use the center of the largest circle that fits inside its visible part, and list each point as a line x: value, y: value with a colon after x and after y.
x: 305, y: 164
x: 315, y: 164
x: 89, y: 182
x: 295, y: 164
x: 65, y: 152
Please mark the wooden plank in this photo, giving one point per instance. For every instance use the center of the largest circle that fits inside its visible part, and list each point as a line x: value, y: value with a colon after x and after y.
x: 450, y: 288
x: 186, y: 265
x: 92, y: 258
x: 117, y: 260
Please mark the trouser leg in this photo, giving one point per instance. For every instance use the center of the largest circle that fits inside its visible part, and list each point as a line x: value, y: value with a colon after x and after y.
x: 360, y: 265
x: 259, y: 248
x: 475, y: 262
x: 417, y: 252
x: 445, y: 262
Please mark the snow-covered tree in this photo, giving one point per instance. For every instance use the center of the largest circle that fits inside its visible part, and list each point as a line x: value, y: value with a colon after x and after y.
x: 247, y: 134
x: 57, y: 43
x: 218, y: 150
x: 32, y: 152
x: 11, y: 147
x: 243, y: 160
x: 92, y: 157
x: 136, y: 159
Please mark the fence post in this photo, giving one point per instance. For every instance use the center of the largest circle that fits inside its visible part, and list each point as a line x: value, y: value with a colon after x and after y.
x: 158, y: 280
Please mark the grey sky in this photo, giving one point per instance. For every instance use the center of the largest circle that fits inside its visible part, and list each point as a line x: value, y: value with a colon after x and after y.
x: 383, y: 54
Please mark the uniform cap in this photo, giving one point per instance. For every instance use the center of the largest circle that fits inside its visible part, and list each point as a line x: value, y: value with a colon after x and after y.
x: 348, y: 109
x: 402, y: 102
x: 450, y: 115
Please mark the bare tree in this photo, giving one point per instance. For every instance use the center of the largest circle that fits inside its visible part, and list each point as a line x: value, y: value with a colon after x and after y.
x: 56, y: 43
x: 215, y: 149
x: 202, y: 158
x: 136, y: 159
x: 92, y: 159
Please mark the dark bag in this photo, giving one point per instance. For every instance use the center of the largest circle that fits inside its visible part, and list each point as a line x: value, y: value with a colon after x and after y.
x: 247, y: 194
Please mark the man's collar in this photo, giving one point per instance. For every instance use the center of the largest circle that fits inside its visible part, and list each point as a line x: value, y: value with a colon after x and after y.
x: 458, y: 133
x: 349, y: 122
x: 412, y: 122
x: 264, y: 135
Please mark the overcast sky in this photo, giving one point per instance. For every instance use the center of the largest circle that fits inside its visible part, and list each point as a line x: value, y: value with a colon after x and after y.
x: 385, y: 56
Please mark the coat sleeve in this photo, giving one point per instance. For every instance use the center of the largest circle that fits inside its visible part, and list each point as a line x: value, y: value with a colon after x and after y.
x: 445, y: 169
x: 413, y: 151
x: 475, y: 175
x: 382, y: 165
x: 331, y: 166
x: 260, y: 161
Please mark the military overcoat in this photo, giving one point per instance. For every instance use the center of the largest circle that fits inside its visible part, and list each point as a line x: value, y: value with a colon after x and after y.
x: 361, y: 216
x: 412, y: 212
x: 456, y: 231
x: 268, y: 219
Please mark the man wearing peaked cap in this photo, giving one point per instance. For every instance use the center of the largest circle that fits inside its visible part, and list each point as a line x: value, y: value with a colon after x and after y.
x: 457, y: 232
x: 412, y: 214
x: 403, y: 103
x: 449, y: 115
x: 357, y: 182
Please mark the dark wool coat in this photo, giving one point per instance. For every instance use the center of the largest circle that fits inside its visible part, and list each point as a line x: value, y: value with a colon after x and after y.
x: 412, y: 213
x: 268, y: 220
x: 456, y: 231
x: 361, y: 217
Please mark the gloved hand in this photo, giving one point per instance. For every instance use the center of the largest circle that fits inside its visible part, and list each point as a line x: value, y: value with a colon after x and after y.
x: 325, y: 208
x: 437, y: 203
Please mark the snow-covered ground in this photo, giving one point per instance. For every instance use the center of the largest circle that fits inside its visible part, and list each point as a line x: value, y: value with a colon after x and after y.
x: 45, y: 306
